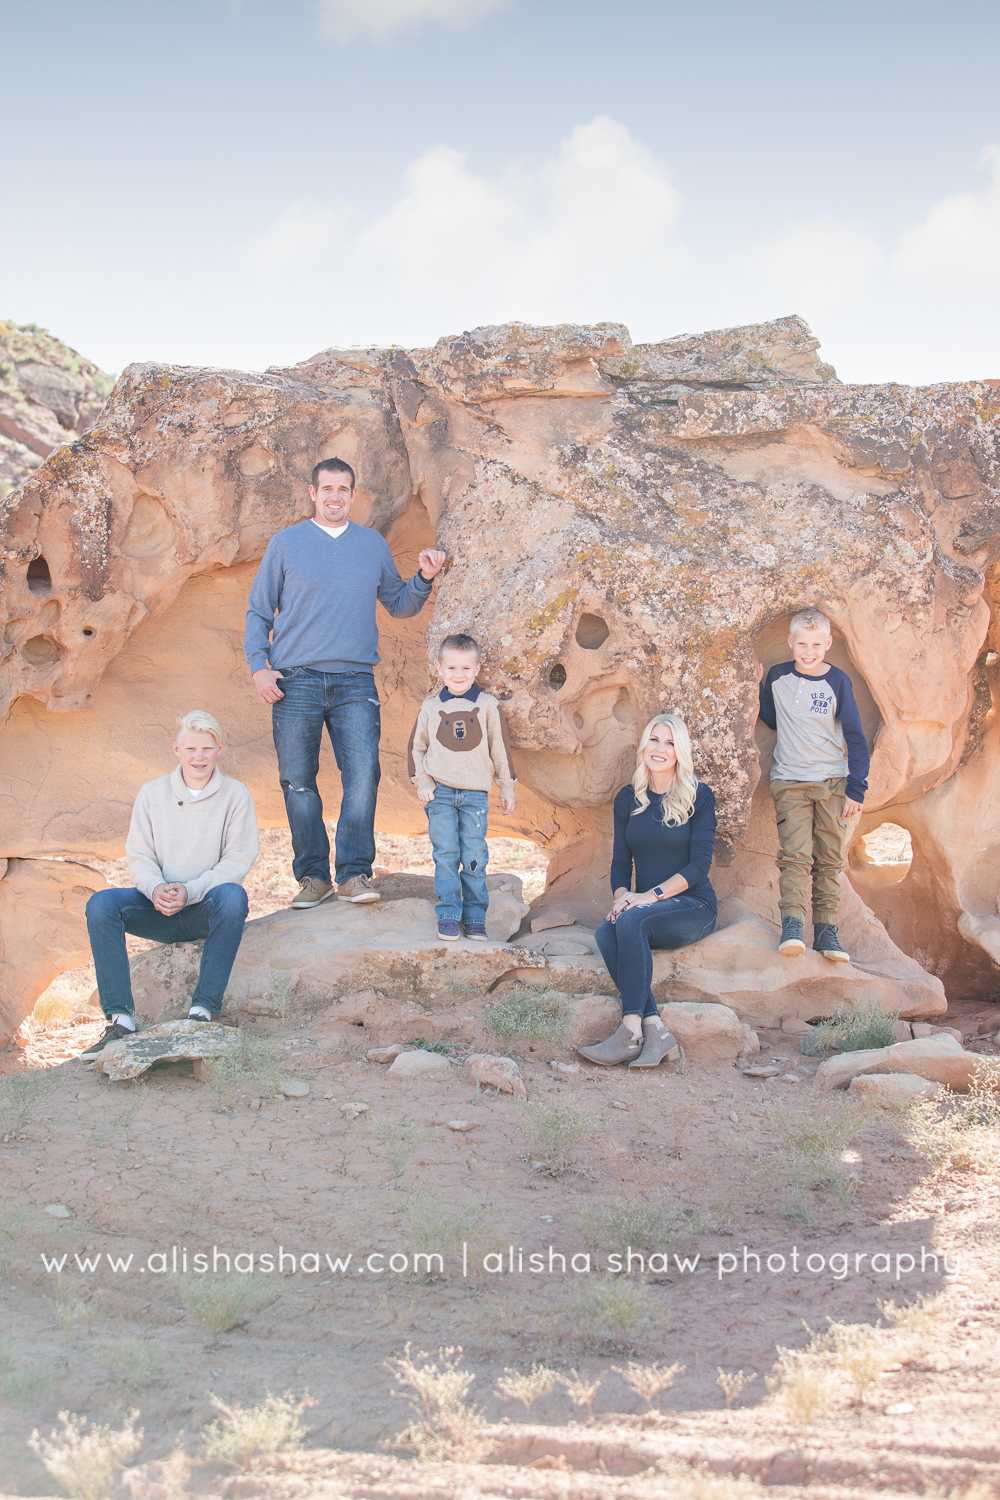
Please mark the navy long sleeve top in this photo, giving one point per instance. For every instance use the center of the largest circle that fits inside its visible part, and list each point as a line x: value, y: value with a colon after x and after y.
x: 656, y: 851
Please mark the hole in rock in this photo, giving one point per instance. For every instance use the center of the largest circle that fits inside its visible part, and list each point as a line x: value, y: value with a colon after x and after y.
x: 39, y: 577
x: 557, y: 677
x: 591, y: 632
x: 40, y: 651
x: 623, y: 708
x: 87, y: 630
x: 889, y: 848
x: 578, y: 720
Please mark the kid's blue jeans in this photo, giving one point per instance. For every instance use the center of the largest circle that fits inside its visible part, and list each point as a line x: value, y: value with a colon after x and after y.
x: 456, y: 822
x: 347, y: 704
x: 218, y: 918
x: 626, y: 945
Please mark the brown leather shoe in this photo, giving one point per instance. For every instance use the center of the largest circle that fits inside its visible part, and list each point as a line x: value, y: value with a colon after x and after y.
x: 311, y: 892
x: 358, y: 889
x: 658, y: 1043
x: 621, y: 1047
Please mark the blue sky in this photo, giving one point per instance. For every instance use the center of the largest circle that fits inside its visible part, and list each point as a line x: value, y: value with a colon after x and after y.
x: 242, y: 182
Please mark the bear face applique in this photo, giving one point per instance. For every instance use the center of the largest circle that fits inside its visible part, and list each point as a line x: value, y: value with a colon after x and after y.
x: 459, y: 731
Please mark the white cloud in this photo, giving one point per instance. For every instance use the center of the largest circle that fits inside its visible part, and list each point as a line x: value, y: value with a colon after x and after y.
x: 561, y: 241
x: 379, y: 20
x: 305, y: 231
x: 822, y: 261
x: 960, y: 237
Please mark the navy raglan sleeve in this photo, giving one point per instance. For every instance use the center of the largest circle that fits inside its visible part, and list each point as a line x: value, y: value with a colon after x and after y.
x: 767, y: 712
x: 702, y: 825
x: 621, y: 858
x: 858, y: 756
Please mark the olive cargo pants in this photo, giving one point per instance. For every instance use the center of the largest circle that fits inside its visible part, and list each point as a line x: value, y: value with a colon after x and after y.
x: 811, y: 830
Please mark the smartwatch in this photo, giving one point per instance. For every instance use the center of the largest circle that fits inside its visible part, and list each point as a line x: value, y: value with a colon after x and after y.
x: 658, y: 892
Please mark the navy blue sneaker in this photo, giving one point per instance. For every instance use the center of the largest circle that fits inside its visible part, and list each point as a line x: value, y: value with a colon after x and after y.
x: 792, y: 940
x: 448, y: 930
x: 477, y: 932
x: 826, y: 941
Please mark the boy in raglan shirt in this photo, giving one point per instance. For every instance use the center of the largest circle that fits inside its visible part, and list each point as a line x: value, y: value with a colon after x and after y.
x: 818, y: 780
x: 459, y: 743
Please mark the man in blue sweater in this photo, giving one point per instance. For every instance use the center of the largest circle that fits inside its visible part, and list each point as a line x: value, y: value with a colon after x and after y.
x: 818, y: 780
x: 311, y: 626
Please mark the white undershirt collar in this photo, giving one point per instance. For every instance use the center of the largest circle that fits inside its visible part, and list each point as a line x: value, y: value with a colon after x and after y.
x: 330, y: 530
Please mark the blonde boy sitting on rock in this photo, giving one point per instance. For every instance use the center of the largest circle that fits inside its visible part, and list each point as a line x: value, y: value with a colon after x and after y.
x: 818, y: 780
x: 190, y: 845
x: 459, y: 743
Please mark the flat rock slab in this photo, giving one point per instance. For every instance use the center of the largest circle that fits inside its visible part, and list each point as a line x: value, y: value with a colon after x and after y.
x: 894, y: 1088
x: 463, y: 1125
x: 384, y: 1054
x: 937, y: 1058
x: 173, y: 1041
x: 418, y: 1063
x: 57, y: 1210
x: 391, y: 946
x: 761, y: 1070
x: 552, y: 917
x: 295, y: 1088
x: 352, y: 1109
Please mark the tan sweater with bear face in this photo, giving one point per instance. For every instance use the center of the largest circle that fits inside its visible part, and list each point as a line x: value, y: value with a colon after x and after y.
x: 461, y: 742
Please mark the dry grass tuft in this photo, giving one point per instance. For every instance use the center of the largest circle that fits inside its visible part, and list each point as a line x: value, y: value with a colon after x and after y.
x: 801, y: 1384
x: 734, y: 1382
x: 963, y: 1132
x: 531, y: 1014
x: 242, y: 1433
x: 222, y: 1302
x: 581, y: 1389
x: 648, y: 1380
x: 444, y: 1427
x: 610, y: 1307
x: 552, y: 1131
x: 86, y: 1463
x: 132, y: 1364
x: 529, y: 1388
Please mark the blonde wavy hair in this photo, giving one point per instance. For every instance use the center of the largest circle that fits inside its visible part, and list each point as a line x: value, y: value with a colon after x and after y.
x: 678, y: 802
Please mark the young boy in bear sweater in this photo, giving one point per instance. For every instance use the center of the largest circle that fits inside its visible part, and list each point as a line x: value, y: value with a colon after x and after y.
x: 458, y: 745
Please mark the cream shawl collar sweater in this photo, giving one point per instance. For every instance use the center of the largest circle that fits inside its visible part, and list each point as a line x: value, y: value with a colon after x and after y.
x: 201, y: 842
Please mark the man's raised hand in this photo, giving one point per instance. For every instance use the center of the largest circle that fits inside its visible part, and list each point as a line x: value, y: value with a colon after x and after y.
x: 431, y: 562
x: 266, y: 683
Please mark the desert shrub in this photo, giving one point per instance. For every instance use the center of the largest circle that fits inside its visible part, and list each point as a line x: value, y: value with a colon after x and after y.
x: 552, y: 1130
x: 648, y: 1380
x: 639, y: 1225
x: 245, y: 1432
x: 86, y: 1463
x: 611, y: 1307
x: 224, y: 1301
x: 813, y: 1139
x: 581, y: 1389
x: 801, y: 1384
x: 733, y: 1383
x: 512, y: 1385
x: 439, y: 1229
x: 132, y: 1364
x: 915, y: 1324
x: 865, y: 1025
x: 70, y: 1310
x: 533, y: 1015
x: 862, y: 1352
x: 444, y: 1427
x: 398, y: 1141
x: 21, y: 1094
x: 443, y: 1049
x: 964, y: 1133
x: 252, y: 1060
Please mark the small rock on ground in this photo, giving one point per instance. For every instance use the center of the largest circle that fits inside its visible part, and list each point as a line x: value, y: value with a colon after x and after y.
x: 561, y: 1067
x: 500, y: 1073
x: 384, y: 1054
x: 352, y: 1109
x: 295, y: 1088
x: 761, y: 1070
x: 413, y: 1064
x: 894, y: 1088
x: 463, y: 1124
x: 58, y: 1210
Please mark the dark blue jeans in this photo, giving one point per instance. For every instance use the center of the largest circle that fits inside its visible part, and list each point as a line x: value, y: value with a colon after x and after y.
x: 626, y: 945
x: 218, y: 918
x: 347, y: 703
x: 456, y: 822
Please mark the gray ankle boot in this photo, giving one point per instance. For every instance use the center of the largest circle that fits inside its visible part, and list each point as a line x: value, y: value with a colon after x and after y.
x: 622, y: 1047
x: 658, y: 1043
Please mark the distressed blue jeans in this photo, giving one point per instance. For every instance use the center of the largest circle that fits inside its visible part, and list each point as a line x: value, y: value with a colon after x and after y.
x: 456, y: 822
x: 626, y: 945
x: 347, y: 704
x: 218, y: 918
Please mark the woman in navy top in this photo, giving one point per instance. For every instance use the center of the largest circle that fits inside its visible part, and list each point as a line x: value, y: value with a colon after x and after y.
x: 665, y: 832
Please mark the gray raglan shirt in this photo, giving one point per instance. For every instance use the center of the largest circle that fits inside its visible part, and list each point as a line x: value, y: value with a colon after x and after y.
x: 312, y: 603
x: 819, y: 728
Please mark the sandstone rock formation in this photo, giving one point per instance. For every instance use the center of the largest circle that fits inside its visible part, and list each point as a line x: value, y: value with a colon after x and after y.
x: 940, y: 1059
x: 49, y: 394
x: 629, y: 528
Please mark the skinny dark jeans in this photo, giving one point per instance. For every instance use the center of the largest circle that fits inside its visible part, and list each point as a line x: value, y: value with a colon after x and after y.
x: 626, y: 945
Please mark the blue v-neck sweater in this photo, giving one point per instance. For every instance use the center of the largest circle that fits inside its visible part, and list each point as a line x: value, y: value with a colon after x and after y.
x: 312, y: 603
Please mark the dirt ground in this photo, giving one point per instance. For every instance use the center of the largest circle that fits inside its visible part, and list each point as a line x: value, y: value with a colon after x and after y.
x: 172, y: 1167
